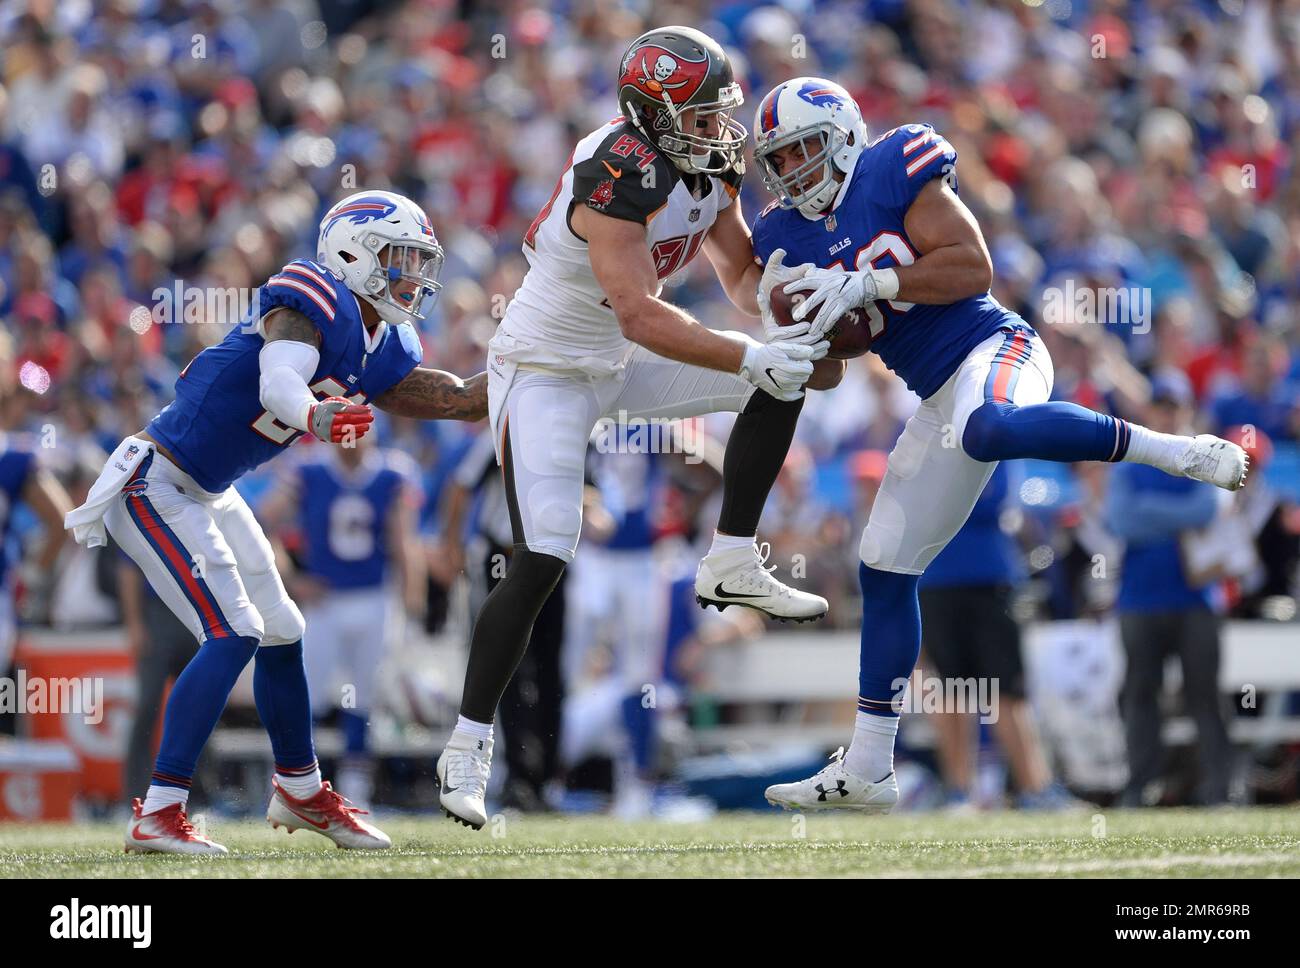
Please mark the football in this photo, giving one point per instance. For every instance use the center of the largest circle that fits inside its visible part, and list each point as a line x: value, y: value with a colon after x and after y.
x: 850, y: 335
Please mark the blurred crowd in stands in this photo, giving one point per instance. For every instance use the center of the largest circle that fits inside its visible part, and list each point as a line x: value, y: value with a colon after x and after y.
x: 1130, y: 164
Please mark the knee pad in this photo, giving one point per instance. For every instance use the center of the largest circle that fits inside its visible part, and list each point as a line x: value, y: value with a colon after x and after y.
x: 882, y: 541
x: 984, y: 438
x: 283, y: 624
x: 556, y: 526
x: 247, y: 623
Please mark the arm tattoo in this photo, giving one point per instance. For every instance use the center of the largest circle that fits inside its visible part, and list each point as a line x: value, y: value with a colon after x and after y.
x: 285, y: 323
x: 436, y: 395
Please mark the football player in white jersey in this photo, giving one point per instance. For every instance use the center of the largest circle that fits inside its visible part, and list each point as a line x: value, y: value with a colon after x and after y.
x: 587, y: 336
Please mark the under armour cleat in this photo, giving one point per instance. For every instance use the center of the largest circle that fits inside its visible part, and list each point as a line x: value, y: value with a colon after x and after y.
x: 743, y: 577
x: 835, y: 788
x: 326, y: 813
x: 462, y: 777
x: 1214, y: 460
x: 166, y: 831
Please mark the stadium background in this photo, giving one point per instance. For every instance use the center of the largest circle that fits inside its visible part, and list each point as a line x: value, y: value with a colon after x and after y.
x: 192, y: 147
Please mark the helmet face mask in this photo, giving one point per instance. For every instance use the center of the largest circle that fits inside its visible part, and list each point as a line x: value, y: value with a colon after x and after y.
x: 383, y: 248
x: 405, y: 277
x: 791, y: 187
x: 692, y: 150
x: 671, y: 80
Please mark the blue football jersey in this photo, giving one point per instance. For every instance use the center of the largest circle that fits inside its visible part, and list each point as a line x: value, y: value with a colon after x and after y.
x: 343, y: 516
x: 629, y: 484
x: 17, y: 462
x: 218, y: 429
x: 922, y: 344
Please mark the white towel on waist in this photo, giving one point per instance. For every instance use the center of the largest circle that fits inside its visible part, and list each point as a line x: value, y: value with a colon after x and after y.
x: 87, y: 521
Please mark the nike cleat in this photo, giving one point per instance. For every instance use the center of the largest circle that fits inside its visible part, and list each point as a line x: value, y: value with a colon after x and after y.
x: 742, y: 577
x: 326, y: 813
x: 1215, y: 461
x: 462, y: 778
x: 835, y: 788
x: 166, y: 831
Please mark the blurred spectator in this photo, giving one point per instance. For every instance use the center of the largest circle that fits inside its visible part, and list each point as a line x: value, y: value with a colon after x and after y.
x: 971, y: 633
x: 360, y: 571
x: 1163, y: 612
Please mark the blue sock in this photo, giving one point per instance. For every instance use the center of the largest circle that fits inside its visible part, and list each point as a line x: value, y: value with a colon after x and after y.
x: 195, y: 705
x: 639, y: 722
x: 355, y: 738
x: 891, y: 637
x: 1056, y: 430
x: 280, y: 690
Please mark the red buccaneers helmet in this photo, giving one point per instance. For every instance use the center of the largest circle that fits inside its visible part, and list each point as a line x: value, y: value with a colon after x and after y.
x: 673, y: 83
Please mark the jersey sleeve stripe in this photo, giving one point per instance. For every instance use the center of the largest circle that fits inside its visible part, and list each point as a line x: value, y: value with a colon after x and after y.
x: 916, y: 142
x: 306, y: 271
x: 306, y: 290
x: 920, y: 162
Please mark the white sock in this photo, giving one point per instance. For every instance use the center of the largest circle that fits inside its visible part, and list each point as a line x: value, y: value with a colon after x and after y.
x: 301, y: 787
x: 871, y: 754
x: 164, y: 796
x: 729, y: 542
x: 1151, y: 447
x: 473, y: 728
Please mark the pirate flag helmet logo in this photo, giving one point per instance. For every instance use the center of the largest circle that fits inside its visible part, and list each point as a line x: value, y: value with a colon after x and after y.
x: 677, y: 87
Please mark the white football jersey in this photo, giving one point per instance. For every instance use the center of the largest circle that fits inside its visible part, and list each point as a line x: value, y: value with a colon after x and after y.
x: 560, y: 318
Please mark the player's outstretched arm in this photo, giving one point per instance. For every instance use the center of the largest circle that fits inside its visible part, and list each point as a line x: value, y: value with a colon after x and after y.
x: 436, y: 395
x: 621, y: 263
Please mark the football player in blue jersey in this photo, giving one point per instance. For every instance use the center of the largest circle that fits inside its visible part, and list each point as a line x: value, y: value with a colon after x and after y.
x: 24, y: 481
x: 356, y: 511
x: 324, y: 338
x: 879, y: 226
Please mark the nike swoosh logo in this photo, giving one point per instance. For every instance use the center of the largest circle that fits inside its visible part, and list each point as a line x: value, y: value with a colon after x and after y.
x: 137, y: 835
x: 617, y: 173
x: 314, y: 823
x: 775, y: 381
x: 723, y: 593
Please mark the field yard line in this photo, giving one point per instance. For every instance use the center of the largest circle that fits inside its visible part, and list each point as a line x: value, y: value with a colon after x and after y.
x: 1132, y: 863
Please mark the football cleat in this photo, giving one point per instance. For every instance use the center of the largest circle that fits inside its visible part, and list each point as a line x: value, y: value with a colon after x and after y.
x: 328, y: 814
x: 166, y: 831
x: 1215, y: 461
x: 462, y: 777
x: 742, y: 577
x: 835, y: 788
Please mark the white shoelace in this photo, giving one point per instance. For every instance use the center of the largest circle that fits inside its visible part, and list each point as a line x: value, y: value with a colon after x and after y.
x: 465, y: 770
x: 757, y: 577
x: 836, y: 760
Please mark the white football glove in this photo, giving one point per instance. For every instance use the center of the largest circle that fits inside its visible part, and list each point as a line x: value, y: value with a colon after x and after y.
x: 780, y: 368
x: 776, y: 273
x: 835, y: 292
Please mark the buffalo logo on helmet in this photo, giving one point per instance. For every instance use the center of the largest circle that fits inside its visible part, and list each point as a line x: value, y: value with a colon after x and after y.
x: 820, y: 96
x: 361, y: 211
x: 658, y: 71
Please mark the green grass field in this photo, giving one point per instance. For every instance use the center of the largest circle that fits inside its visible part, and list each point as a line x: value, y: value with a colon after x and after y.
x: 1169, y: 843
